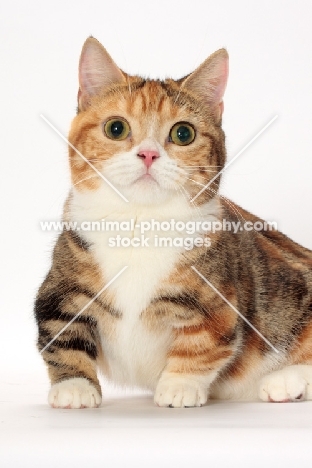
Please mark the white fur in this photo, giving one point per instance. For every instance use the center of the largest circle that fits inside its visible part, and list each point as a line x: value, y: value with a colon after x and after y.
x: 126, y: 171
x: 183, y: 391
x: 293, y: 383
x: 136, y: 356
x: 74, y: 393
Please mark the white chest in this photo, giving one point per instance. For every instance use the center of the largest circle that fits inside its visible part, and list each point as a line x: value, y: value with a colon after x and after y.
x: 135, y: 355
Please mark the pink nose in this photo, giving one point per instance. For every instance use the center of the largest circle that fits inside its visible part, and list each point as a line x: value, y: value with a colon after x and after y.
x: 148, y: 157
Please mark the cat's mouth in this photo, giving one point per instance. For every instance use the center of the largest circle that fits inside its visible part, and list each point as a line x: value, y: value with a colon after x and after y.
x: 147, y: 177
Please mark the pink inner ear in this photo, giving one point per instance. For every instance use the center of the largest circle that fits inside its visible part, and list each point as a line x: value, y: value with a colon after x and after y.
x: 219, y: 82
x: 89, y: 74
x: 96, y: 69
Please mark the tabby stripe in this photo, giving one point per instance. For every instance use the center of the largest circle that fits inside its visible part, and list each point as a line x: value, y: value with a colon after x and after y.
x: 46, y: 334
x: 66, y: 372
x: 63, y: 366
x: 208, y: 135
x: 143, y: 104
x: 183, y: 300
x: 42, y: 343
x: 84, y: 129
x: 138, y: 85
x: 50, y: 307
x: 180, y: 98
x: 56, y: 364
x: 227, y: 339
x: 186, y: 300
x: 78, y: 240
x: 196, y: 329
x: 160, y: 104
x: 172, y: 93
x: 188, y: 354
x: 77, y: 344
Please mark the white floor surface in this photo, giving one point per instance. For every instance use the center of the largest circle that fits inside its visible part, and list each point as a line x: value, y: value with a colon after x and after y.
x: 129, y: 431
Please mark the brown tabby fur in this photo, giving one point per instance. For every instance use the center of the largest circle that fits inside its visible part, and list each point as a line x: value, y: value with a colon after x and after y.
x: 265, y: 275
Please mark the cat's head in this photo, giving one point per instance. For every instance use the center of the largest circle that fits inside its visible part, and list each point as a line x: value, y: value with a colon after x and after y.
x: 150, y: 139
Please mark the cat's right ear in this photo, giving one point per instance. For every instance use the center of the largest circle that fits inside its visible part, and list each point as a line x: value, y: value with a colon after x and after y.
x: 97, y: 70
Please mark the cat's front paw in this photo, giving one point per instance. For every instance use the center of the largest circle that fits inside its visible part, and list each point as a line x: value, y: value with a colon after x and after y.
x: 74, y: 393
x: 180, y: 392
x: 283, y: 386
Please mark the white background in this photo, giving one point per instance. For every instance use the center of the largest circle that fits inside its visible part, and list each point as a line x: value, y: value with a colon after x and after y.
x: 269, y: 44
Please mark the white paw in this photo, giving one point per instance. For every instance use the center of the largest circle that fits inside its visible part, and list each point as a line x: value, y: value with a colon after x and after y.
x: 179, y: 392
x: 288, y: 384
x: 74, y: 393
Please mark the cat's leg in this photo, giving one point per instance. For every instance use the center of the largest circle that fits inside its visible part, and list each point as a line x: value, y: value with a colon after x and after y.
x: 70, y: 356
x: 193, y: 363
x: 293, y: 383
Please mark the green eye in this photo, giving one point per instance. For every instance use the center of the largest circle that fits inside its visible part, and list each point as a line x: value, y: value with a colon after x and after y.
x: 117, y: 129
x: 182, y: 134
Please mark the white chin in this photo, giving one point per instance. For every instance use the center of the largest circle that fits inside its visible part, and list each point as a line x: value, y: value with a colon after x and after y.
x: 147, y: 191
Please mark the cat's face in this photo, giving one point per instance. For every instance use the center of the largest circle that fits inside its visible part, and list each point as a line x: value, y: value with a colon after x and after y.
x: 149, y: 139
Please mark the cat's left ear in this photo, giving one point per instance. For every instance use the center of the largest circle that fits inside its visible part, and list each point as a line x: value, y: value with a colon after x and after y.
x: 209, y: 80
x: 97, y: 70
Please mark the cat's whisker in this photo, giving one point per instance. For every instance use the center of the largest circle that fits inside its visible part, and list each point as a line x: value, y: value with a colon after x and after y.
x: 214, y: 171
x: 80, y: 163
x: 181, y: 165
x: 205, y: 177
x: 198, y: 183
x: 187, y: 176
x: 93, y: 176
x: 188, y: 198
x: 239, y: 216
x: 186, y: 195
x: 119, y: 165
x: 179, y: 92
x: 231, y: 205
x: 112, y: 82
x: 193, y: 206
x: 129, y: 86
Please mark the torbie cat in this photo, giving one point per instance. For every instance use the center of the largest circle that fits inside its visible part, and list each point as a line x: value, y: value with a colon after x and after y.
x: 160, y: 325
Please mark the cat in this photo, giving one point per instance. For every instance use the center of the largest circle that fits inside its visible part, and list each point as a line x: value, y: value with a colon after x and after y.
x: 229, y: 318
